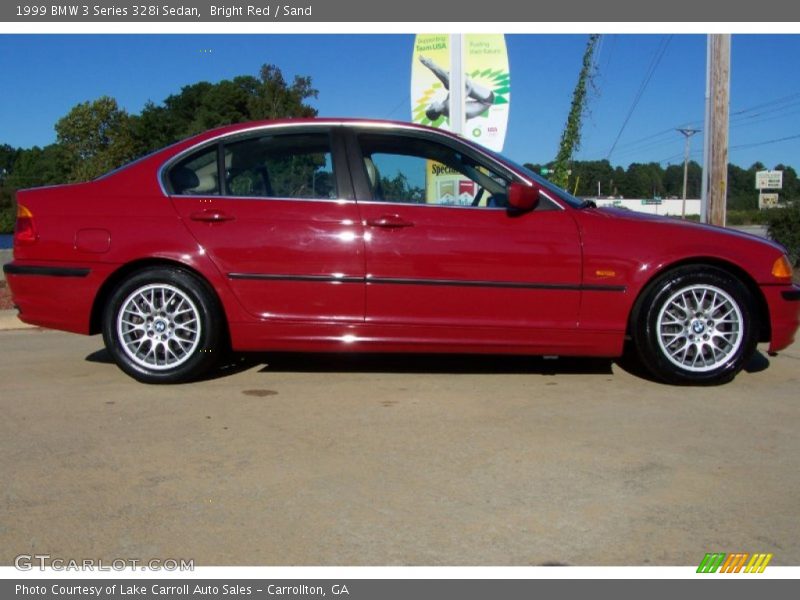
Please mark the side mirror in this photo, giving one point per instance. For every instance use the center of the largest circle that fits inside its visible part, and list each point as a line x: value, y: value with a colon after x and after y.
x: 522, y: 197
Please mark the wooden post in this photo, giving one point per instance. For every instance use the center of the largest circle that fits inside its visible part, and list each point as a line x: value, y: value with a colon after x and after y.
x: 715, y: 167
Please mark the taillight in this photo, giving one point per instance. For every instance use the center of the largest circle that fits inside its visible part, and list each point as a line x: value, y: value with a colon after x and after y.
x: 25, y: 229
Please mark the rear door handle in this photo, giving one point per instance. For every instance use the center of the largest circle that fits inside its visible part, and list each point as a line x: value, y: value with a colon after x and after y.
x: 389, y: 222
x: 210, y: 215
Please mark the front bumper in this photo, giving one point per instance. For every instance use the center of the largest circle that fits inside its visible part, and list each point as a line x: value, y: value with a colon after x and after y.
x: 784, y: 314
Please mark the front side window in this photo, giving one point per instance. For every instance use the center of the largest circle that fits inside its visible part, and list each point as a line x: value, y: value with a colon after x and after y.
x: 280, y: 166
x: 418, y: 171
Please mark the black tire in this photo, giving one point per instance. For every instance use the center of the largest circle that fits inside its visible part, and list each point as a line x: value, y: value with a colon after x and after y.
x: 163, y: 325
x: 697, y: 346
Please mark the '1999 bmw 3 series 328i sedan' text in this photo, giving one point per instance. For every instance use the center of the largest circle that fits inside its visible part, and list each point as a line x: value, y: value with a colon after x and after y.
x: 349, y: 235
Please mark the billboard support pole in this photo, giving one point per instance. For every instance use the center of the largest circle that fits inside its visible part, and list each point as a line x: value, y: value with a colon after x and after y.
x: 457, y: 83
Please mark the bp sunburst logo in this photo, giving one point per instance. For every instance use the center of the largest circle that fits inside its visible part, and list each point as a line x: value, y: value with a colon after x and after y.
x: 478, y: 103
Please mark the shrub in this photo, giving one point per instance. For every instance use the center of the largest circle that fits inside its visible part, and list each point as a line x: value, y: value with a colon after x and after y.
x: 783, y: 226
x: 747, y: 217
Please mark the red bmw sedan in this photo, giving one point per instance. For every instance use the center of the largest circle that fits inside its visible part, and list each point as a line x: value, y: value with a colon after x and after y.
x: 349, y: 235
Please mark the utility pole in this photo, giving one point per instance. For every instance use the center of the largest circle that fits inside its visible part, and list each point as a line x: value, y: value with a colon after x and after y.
x: 687, y: 133
x: 715, y: 144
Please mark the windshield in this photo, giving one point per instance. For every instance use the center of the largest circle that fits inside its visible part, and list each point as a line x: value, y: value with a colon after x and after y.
x: 548, y: 185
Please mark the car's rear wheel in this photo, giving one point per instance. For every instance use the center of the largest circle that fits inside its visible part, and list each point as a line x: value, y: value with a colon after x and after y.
x: 695, y: 325
x: 162, y: 325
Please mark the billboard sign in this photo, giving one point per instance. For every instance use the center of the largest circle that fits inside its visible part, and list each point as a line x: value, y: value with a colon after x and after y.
x: 487, y: 91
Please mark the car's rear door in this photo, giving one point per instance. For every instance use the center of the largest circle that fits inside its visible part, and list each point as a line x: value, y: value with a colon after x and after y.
x: 281, y: 223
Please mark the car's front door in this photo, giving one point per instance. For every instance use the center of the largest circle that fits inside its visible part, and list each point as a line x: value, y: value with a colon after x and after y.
x: 277, y: 223
x: 443, y: 250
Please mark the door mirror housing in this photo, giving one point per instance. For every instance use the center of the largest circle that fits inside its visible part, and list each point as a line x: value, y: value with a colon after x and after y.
x: 521, y: 197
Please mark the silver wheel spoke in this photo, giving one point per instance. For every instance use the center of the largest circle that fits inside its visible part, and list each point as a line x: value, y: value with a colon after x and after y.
x: 159, y: 327
x: 699, y: 328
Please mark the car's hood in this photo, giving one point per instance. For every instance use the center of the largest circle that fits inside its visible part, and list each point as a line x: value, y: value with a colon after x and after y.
x: 683, y: 227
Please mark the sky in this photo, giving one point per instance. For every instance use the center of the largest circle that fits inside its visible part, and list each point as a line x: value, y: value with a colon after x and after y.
x: 645, y: 85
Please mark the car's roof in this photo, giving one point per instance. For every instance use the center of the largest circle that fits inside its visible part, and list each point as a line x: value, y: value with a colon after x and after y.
x: 320, y: 121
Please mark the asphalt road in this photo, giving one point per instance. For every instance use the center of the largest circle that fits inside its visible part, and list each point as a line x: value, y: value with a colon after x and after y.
x: 309, y: 460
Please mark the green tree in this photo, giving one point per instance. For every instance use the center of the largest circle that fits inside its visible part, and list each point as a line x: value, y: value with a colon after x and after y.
x: 153, y: 128
x: 742, y: 193
x: 8, y: 156
x: 589, y: 173
x: 37, y: 166
x: 791, y: 185
x: 673, y: 180
x: 203, y: 105
x: 96, y: 137
x: 643, y: 181
x: 274, y: 98
x: 32, y: 167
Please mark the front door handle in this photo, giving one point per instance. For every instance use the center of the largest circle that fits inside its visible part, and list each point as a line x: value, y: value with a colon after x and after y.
x: 211, y: 215
x: 389, y: 222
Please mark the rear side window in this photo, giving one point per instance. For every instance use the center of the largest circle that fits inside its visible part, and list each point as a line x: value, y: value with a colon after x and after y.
x: 280, y: 166
x: 196, y: 175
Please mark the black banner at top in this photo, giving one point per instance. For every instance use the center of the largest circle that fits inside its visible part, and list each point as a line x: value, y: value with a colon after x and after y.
x: 456, y: 11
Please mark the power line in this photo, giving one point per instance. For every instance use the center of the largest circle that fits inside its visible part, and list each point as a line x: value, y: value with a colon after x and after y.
x: 765, y: 143
x: 772, y: 118
x: 672, y: 157
x: 610, y: 52
x: 742, y: 119
x: 738, y: 146
x: 657, y: 56
x: 768, y: 111
x: 646, y: 138
x: 399, y: 105
x: 662, y: 141
x: 596, y: 55
x: 734, y: 125
x: 766, y: 104
x: 661, y: 138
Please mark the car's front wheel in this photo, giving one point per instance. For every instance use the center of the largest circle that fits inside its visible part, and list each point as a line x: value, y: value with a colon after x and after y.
x: 695, y: 325
x: 162, y: 325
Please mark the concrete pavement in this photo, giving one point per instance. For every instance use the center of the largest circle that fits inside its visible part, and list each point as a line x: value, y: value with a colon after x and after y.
x: 5, y: 257
x: 9, y: 320
x: 393, y: 461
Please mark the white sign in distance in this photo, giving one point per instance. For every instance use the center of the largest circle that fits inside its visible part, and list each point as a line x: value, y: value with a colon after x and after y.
x: 769, y: 180
x: 768, y: 201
